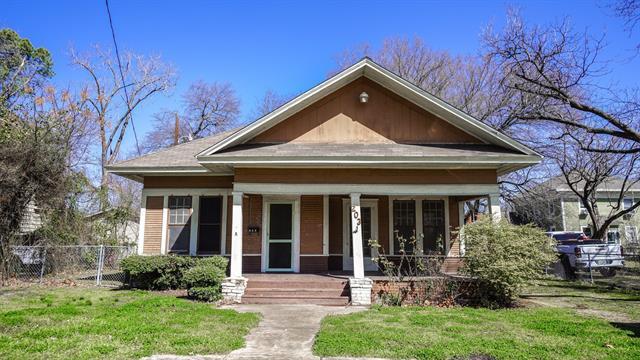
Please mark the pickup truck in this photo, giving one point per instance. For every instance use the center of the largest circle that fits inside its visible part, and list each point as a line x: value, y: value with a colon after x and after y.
x: 578, y: 252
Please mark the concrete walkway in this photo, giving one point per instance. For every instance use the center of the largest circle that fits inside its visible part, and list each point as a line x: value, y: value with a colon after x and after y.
x: 285, y: 332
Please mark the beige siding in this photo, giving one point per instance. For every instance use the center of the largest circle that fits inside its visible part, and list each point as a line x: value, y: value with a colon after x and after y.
x: 153, y: 225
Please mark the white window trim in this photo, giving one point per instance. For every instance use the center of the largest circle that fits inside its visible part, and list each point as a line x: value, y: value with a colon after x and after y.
x: 627, y: 231
x: 195, y: 193
x: 418, y: 199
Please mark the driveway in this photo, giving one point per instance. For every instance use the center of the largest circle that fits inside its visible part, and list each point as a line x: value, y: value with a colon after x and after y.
x: 285, y: 332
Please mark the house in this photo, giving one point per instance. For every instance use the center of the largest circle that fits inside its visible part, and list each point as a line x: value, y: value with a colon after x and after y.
x: 363, y: 155
x: 570, y: 214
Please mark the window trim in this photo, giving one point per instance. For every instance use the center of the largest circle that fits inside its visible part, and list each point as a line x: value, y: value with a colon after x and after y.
x: 418, y: 199
x: 193, y: 192
x: 627, y: 198
x: 188, y: 224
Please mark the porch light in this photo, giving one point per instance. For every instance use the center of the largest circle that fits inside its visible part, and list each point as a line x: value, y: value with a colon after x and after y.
x: 364, y: 97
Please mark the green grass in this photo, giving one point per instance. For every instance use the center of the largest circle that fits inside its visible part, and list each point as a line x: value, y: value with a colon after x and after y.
x: 438, y: 333
x: 86, y: 323
x: 597, y: 299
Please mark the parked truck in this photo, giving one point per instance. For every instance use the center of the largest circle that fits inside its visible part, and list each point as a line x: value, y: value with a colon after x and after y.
x: 579, y: 252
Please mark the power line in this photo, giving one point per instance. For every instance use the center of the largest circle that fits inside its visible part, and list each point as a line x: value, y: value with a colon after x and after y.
x: 124, y: 86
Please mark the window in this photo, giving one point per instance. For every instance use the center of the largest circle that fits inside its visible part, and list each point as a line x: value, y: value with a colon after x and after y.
x: 587, y: 231
x: 613, y: 235
x: 210, y: 225
x: 404, y: 224
x: 179, y: 223
x: 581, y: 206
x: 627, y: 203
x: 631, y: 233
x: 433, y: 226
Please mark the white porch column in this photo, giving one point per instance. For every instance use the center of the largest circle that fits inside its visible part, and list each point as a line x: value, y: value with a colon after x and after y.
x: 195, y: 213
x: 494, y: 206
x: 143, y: 215
x: 236, y: 236
x: 356, y: 228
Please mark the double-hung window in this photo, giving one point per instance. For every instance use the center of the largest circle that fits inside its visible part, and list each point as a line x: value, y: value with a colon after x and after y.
x: 179, y: 225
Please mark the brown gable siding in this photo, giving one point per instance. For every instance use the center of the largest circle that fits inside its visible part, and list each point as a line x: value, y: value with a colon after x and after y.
x: 367, y: 176
x: 311, y: 211
x: 172, y: 182
x: 387, y: 117
x: 153, y: 225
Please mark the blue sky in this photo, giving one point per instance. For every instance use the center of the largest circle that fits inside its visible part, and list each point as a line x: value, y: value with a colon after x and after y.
x: 286, y: 46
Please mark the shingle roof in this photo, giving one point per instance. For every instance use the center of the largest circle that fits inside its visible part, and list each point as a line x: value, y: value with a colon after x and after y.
x: 301, y: 150
x: 177, y: 156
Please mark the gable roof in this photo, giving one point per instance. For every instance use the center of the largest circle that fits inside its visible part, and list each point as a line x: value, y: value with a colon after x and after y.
x: 174, y: 159
x: 371, y: 70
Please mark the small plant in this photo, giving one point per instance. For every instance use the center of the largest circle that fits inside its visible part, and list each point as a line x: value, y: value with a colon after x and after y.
x: 502, y: 257
x: 205, y: 293
x: 201, y: 275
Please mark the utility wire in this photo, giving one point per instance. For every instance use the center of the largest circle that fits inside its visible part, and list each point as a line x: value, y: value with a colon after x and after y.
x: 124, y: 86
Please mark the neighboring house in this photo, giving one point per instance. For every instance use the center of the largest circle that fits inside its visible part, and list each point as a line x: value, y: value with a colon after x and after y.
x: 125, y: 231
x: 363, y: 155
x: 31, y: 220
x: 572, y: 216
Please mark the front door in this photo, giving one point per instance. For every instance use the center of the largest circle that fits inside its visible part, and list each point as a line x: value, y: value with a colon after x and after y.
x: 279, y: 236
x: 369, y: 223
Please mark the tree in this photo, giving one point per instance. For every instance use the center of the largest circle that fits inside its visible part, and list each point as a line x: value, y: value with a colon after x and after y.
x: 590, y: 175
x: 554, y: 71
x: 629, y: 11
x: 208, y: 108
x: 23, y: 67
x: 111, y: 108
x: 269, y: 102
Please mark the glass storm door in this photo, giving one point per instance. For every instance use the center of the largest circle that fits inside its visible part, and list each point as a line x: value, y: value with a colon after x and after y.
x: 369, y: 224
x: 280, y: 237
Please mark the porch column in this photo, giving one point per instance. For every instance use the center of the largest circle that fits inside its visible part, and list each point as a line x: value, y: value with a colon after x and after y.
x: 356, y: 228
x: 236, y: 236
x: 494, y: 206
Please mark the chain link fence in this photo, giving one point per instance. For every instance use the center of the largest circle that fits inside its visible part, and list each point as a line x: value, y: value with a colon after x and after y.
x: 82, y: 264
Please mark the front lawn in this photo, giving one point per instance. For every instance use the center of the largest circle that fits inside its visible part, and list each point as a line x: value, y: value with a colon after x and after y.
x: 89, y: 323
x: 439, y: 333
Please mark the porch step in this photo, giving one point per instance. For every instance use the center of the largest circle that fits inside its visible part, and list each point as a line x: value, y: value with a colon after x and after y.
x: 331, y: 301
x: 296, y: 289
x: 281, y: 292
x: 297, y: 284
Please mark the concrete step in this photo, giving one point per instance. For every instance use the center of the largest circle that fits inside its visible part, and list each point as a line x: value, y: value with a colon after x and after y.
x: 331, y: 301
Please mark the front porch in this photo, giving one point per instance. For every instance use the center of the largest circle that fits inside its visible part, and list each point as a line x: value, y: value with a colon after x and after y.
x: 295, y: 229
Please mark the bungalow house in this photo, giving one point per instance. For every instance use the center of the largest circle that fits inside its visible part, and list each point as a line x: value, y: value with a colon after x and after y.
x: 363, y: 155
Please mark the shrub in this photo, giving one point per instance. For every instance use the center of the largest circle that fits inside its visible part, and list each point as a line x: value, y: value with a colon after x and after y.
x: 158, y: 272
x: 205, y: 293
x: 502, y: 257
x: 202, y: 275
x: 161, y: 272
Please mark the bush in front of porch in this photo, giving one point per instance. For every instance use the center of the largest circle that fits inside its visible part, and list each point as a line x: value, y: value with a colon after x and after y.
x: 201, y: 276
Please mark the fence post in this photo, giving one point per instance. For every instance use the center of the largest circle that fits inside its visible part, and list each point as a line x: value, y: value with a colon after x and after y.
x: 590, y: 272
x: 42, y: 265
x: 100, y: 260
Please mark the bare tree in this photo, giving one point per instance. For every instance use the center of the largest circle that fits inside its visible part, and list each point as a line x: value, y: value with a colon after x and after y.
x: 269, y: 102
x: 555, y: 72
x: 629, y: 11
x: 208, y: 109
x: 144, y: 77
x: 597, y: 175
